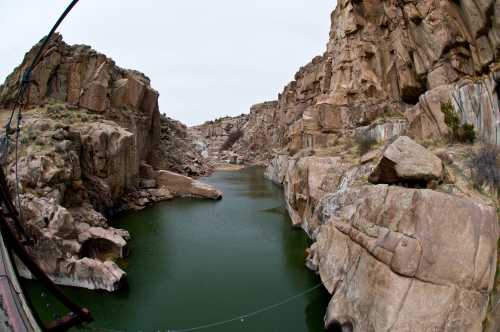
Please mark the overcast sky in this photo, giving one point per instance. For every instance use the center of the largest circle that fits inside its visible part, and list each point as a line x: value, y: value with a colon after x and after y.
x: 207, y: 58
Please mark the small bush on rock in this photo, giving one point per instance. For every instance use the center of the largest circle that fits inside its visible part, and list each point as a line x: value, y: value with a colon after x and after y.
x: 459, y: 133
x: 231, y: 139
x: 485, y: 167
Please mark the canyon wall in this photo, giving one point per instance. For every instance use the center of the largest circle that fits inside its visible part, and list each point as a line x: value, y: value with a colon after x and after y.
x: 92, y: 143
x: 404, y: 240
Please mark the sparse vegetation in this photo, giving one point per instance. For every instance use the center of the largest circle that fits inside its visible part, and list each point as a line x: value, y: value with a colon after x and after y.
x: 365, y: 143
x: 30, y: 133
x: 485, y: 168
x: 464, y: 133
x: 54, y: 108
x: 231, y: 139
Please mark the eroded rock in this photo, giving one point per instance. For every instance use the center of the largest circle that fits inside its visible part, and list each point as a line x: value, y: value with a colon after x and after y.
x: 387, y: 248
x: 405, y: 161
x: 183, y: 186
x: 90, y: 137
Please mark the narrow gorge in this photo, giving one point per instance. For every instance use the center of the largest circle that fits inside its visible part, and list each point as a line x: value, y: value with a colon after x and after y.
x: 405, y: 236
x: 385, y: 151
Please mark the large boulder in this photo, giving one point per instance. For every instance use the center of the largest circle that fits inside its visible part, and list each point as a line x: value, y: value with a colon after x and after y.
x: 405, y: 161
x: 406, y: 260
x: 69, y: 250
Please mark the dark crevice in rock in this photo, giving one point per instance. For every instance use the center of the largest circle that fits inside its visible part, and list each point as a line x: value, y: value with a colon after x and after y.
x: 101, y: 249
x: 336, y: 326
x: 386, y: 174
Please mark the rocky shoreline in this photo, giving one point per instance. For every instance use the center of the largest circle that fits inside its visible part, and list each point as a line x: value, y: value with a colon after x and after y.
x: 370, y: 145
x: 93, y: 144
x: 375, y: 143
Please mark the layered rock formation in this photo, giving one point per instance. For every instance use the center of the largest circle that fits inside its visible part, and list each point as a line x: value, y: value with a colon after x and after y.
x: 403, y: 241
x: 212, y: 136
x: 179, y: 152
x: 92, y: 144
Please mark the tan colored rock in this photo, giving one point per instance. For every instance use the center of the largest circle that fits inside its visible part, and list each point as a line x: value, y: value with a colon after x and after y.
x: 383, y: 131
x: 387, y: 70
x: 183, y: 186
x: 277, y: 169
x: 91, y: 274
x: 89, y: 127
x: 407, y: 246
x: 478, y: 103
x: 182, y: 151
x: 110, y: 155
x: 61, y: 240
x: 408, y: 162
x: 426, y: 118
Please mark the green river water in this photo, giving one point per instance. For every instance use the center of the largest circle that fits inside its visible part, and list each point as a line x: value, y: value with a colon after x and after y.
x: 195, y: 262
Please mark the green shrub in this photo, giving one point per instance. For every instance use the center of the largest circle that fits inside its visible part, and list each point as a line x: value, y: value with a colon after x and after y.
x: 459, y: 133
x: 466, y: 133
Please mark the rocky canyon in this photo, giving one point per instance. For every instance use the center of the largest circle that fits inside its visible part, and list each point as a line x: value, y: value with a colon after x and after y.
x: 372, y: 144
x: 387, y: 147
x: 93, y: 143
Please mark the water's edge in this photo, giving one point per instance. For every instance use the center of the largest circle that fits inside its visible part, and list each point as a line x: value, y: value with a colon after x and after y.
x: 246, y: 256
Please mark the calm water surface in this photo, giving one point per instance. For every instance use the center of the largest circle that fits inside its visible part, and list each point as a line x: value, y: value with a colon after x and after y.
x: 195, y: 262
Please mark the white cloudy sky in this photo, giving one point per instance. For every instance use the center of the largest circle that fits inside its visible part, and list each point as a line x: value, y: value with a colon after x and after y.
x: 207, y: 58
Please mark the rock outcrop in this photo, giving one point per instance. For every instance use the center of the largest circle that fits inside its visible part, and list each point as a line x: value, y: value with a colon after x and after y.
x: 388, y: 248
x: 179, y: 151
x: 405, y: 161
x: 92, y: 144
x: 184, y: 186
x: 360, y: 141
x: 211, y: 138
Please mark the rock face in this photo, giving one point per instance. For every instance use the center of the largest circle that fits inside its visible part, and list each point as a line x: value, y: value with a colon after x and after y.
x: 402, y: 241
x: 405, y: 161
x: 387, y: 248
x: 388, y: 62
x: 83, y: 78
x: 92, y: 142
x: 179, y: 152
x: 478, y: 103
x: 184, y: 186
x: 212, y: 136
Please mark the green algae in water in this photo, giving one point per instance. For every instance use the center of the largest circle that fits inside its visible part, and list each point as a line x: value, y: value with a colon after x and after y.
x: 195, y: 262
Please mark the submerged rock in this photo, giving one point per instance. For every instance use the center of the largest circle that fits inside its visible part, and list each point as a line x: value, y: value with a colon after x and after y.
x: 183, y: 186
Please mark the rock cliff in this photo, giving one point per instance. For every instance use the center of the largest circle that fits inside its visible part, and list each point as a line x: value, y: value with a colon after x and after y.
x: 92, y: 143
x: 365, y: 142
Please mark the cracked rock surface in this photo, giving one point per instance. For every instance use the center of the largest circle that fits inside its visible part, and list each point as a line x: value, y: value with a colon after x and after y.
x: 404, y: 240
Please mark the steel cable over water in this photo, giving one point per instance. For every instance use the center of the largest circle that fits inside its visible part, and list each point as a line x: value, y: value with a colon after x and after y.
x: 241, y: 318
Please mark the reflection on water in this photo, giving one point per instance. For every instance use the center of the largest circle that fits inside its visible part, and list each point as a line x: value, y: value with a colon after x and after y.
x: 195, y: 262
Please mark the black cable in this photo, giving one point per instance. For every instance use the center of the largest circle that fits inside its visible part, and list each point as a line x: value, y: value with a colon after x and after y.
x: 26, y: 76
x: 23, y: 88
x: 24, y: 83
